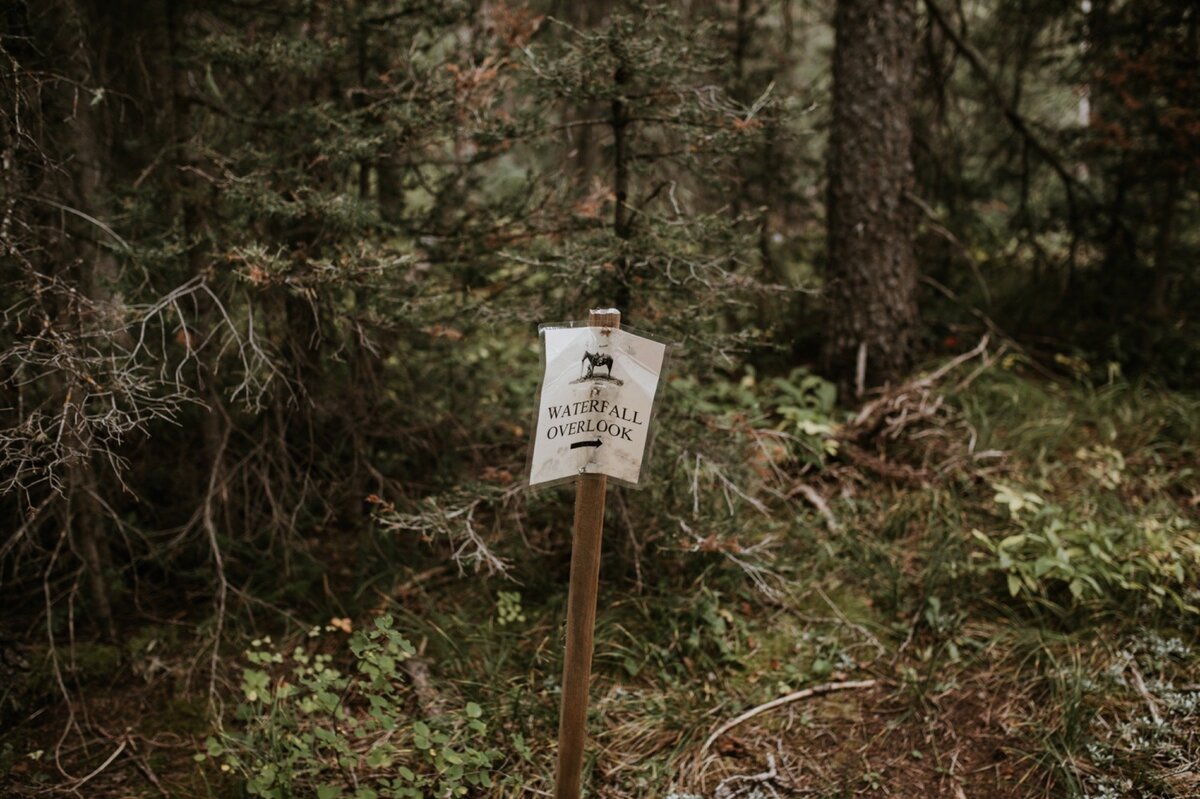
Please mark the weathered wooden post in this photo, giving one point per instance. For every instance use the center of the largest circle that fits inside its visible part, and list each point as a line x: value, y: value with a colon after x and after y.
x: 593, y: 423
x: 590, y: 490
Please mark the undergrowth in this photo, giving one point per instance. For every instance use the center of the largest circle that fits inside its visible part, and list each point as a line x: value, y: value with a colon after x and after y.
x: 1017, y: 570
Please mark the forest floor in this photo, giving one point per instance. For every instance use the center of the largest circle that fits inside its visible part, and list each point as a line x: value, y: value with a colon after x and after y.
x: 1023, y: 628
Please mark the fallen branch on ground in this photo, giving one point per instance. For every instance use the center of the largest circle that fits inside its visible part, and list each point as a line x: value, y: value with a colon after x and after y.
x: 750, y: 782
x: 817, y: 501
x: 816, y: 690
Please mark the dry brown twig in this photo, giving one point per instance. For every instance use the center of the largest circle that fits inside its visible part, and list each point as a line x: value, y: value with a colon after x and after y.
x: 749, y: 783
x: 861, y: 630
x: 1139, y: 683
x: 453, y: 519
x: 795, y: 696
x: 210, y: 529
x: 817, y: 501
x: 86, y: 778
x: 917, y: 412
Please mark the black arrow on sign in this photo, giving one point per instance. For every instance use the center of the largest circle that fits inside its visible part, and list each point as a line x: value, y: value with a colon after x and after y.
x: 579, y: 444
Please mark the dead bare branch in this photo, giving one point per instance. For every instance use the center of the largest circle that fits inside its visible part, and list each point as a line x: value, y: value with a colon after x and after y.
x: 795, y: 696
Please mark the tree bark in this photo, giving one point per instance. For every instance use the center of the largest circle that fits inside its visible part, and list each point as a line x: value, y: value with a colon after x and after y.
x: 622, y: 221
x: 872, y: 272
x: 96, y: 273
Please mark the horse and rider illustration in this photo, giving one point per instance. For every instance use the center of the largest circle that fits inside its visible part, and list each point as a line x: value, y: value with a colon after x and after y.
x: 594, y: 361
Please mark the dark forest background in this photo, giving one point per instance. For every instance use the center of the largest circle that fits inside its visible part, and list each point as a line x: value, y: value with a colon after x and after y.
x: 270, y: 278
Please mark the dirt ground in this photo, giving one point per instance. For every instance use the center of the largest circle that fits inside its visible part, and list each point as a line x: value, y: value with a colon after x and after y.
x: 966, y: 742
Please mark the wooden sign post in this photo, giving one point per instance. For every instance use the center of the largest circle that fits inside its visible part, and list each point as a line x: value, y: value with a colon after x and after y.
x: 581, y: 614
x: 593, y: 423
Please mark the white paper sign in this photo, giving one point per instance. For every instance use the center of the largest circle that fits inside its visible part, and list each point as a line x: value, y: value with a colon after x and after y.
x: 597, y: 397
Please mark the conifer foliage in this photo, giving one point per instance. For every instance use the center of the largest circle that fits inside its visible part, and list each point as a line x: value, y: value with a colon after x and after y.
x: 265, y: 260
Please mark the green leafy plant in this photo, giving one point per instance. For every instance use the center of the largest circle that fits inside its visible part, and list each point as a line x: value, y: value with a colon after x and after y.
x: 508, y: 607
x: 1068, y: 555
x: 306, y: 728
x: 798, y: 408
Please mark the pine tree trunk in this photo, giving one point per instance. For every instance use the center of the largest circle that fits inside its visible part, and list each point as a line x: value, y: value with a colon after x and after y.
x: 96, y: 272
x: 622, y: 221
x: 872, y: 274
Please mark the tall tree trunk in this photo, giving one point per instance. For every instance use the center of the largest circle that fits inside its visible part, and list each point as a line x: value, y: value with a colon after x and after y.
x: 622, y: 220
x: 96, y: 271
x: 872, y: 273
